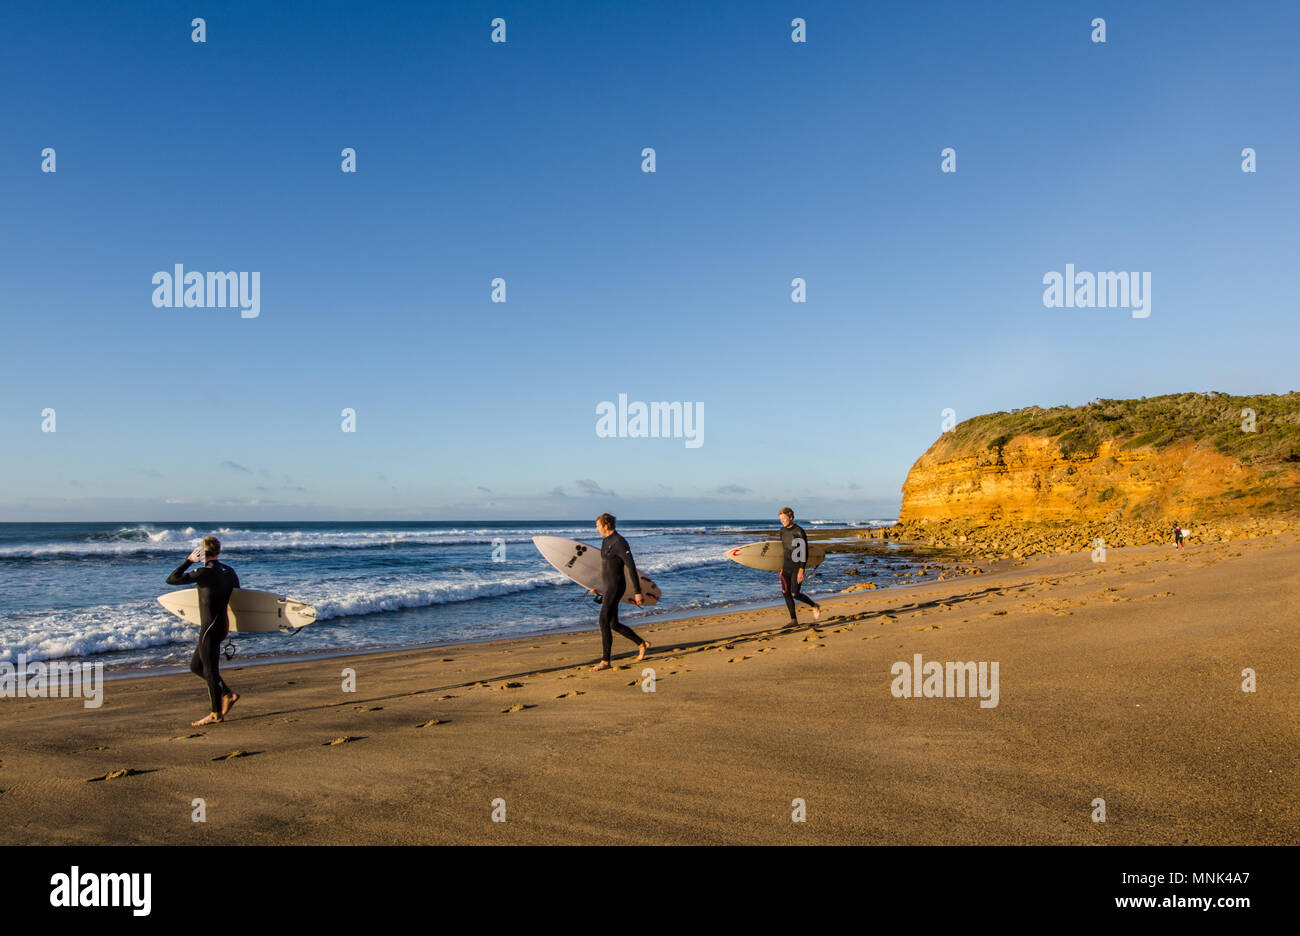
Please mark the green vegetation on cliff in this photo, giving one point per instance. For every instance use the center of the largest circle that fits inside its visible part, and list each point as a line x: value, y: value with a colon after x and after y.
x: 1154, y: 422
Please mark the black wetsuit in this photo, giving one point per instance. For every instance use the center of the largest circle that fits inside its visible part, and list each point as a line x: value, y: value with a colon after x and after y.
x: 791, y: 587
x: 615, y: 555
x: 216, y: 581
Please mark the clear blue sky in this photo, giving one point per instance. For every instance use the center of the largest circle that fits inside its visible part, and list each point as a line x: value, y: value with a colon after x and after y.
x: 522, y: 160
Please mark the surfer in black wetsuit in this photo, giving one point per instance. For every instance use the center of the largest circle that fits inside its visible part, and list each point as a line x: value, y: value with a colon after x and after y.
x: 215, y: 581
x: 616, y: 566
x: 794, y: 558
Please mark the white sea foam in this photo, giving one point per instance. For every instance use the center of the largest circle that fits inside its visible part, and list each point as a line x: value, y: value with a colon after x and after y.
x: 337, y: 600
x: 142, y: 540
x: 48, y: 635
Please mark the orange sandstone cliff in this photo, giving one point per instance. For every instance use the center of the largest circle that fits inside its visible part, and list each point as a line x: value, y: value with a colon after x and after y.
x: 1187, y: 457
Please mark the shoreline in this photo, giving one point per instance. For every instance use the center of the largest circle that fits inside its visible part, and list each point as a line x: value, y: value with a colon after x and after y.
x: 172, y: 669
x: 1119, y: 680
x: 845, y: 539
x: 127, y: 672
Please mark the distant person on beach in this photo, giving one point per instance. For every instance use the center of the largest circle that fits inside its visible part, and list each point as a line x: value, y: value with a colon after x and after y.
x: 616, y: 556
x: 1178, y: 536
x: 215, y: 581
x: 794, y: 559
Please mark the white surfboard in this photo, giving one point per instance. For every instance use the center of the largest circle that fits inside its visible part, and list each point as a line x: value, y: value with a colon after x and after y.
x: 581, y: 562
x: 767, y: 556
x: 251, y: 612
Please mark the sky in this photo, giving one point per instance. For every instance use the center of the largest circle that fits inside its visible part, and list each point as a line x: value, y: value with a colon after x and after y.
x: 523, y: 161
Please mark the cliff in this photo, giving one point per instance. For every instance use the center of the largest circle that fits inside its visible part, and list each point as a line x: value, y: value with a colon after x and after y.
x: 1188, y: 457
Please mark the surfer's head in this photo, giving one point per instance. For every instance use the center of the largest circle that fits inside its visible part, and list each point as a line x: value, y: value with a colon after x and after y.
x: 211, y: 547
x: 786, y: 516
x: 605, y: 524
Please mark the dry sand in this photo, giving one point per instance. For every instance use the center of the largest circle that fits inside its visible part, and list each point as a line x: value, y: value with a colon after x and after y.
x: 1119, y: 680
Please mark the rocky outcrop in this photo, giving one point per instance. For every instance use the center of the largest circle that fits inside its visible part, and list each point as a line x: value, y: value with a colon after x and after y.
x: 1120, y: 471
x: 1106, y: 462
x: 1027, y: 478
x: 1019, y: 539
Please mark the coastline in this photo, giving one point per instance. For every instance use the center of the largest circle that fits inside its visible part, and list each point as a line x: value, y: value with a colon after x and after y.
x: 1120, y: 680
x: 847, y: 541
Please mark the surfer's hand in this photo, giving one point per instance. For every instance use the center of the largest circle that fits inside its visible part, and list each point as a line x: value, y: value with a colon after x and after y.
x: 637, y: 598
x: 799, y: 578
x: 197, y: 555
x: 591, y: 591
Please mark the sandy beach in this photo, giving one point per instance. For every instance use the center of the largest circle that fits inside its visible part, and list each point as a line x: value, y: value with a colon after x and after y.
x: 1119, y: 680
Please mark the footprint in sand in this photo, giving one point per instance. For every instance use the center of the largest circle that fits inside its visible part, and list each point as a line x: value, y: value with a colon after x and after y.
x: 517, y: 707
x: 346, y: 739
x: 372, y: 708
x: 767, y: 650
x: 873, y: 637
x: 569, y: 695
x: 234, y: 754
x: 511, y: 685
x: 431, y: 722
x: 186, y: 737
x: 115, y: 774
x: 926, y: 627
x: 444, y: 698
x: 739, y: 659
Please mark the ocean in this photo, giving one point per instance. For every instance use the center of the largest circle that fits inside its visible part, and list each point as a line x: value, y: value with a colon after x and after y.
x: 87, y: 591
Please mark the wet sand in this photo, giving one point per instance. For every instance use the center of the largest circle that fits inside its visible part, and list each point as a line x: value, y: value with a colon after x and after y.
x: 1118, y: 680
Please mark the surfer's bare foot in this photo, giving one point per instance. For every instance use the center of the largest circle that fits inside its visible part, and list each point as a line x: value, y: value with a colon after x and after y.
x: 228, y: 702
x: 645, y: 648
x: 603, y: 664
x: 794, y: 622
x: 211, y: 719
x: 817, y: 612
